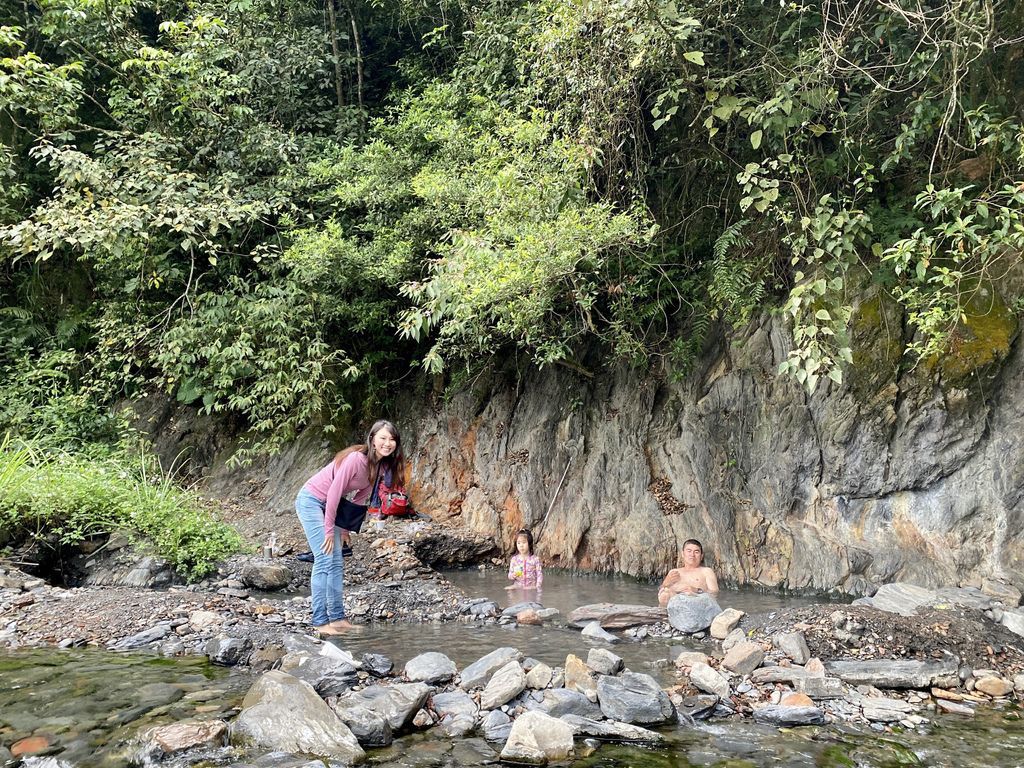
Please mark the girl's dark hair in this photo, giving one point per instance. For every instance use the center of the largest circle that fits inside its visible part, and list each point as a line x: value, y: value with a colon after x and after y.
x: 395, y: 462
x: 529, y: 540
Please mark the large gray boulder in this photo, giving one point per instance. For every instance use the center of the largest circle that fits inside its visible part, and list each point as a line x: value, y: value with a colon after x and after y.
x: 370, y: 728
x: 708, y: 680
x: 430, y: 667
x: 537, y: 739
x: 267, y: 577
x: 634, y: 698
x: 496, y: 725
x: 397, y: 704
x: 527, y: 605
x: 778, y: 714
x: 329, y: 676
x: 610, y: 730
x: 283, y: 713
x: 480, y: 671
x: 692, y: 613
x: 454, y: 703
x: 456, y: 711
x: 142, y: 639
x: 616, y: 616
x: 899, y: 598
x: 507, y: 683
x: 906, y: 599
x: 1013, y: 621
x: 894, y: 674
x: 559, y: 702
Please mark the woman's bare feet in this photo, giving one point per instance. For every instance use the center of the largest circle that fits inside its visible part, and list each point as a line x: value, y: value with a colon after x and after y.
x: 341, y: 624
x: 329, y: 629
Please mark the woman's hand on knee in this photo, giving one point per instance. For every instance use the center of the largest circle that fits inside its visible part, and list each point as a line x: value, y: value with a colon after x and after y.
x: 328, y: 545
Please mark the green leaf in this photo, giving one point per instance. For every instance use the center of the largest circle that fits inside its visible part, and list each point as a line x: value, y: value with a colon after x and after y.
x: 822, y: 314
x: 694, y: 57
x: 755, y: 139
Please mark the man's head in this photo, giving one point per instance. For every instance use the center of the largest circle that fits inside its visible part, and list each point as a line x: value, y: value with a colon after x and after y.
x: 693, y: 553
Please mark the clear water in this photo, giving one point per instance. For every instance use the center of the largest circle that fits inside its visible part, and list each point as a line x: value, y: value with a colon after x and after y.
x: 563, y: 590
x: 89, y: 705
x: 566, y: 590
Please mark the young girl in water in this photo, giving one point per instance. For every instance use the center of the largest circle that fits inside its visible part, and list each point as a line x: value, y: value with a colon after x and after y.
x: 356, y: 471
x: 525, y: 570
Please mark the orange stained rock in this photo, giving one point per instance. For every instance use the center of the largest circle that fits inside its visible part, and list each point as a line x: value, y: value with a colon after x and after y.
x: 796, y: 700
x: 30, y: 745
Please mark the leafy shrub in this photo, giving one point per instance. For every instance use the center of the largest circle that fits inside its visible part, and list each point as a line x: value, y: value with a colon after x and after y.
x: 74, y: 498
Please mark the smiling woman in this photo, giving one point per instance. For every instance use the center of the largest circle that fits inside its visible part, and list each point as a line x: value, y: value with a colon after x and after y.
x: 332, y: 504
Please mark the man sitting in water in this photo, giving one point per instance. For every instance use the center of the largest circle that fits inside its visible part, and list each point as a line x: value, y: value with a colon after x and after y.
x: 694, y: 578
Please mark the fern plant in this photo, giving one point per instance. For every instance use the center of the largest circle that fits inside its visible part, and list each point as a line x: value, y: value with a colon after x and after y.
x: 736, y: 276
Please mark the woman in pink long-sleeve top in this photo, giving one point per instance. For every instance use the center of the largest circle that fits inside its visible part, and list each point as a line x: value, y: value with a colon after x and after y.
x: 345, y: 486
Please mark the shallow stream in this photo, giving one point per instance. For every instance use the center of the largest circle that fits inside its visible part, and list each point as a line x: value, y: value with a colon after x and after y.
x: 89, y: 705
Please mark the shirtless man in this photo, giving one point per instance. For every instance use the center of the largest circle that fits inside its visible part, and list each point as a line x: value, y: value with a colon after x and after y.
x: 692, y: 579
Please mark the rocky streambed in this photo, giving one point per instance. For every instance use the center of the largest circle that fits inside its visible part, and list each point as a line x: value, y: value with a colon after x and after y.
x: 893, y: 663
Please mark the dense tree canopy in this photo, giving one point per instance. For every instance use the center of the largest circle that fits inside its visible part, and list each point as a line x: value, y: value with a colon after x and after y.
x: 276, y: 208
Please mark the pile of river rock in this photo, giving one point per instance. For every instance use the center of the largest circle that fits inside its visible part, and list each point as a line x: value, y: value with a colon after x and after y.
x: 320, y: 700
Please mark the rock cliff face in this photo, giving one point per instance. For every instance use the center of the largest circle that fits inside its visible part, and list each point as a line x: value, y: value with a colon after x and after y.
x: 896, y: 474
x: 900, y: 473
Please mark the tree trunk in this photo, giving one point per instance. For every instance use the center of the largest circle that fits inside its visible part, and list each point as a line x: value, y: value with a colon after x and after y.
x: 332, y: 20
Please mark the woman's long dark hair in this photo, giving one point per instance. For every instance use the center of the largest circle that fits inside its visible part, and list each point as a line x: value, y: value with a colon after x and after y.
x: 395, y: 462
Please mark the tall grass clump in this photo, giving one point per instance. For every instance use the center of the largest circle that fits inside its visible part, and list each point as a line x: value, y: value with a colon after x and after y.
x: 63, y: 499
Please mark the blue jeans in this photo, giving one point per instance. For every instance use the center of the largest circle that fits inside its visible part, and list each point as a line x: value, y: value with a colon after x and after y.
x: 328, y: 570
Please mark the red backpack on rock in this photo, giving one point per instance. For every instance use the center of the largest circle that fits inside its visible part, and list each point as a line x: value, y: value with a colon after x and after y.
x: 394, y: 501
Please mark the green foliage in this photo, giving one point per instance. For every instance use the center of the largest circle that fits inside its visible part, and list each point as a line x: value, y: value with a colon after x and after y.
x: 41, y: 403
x: 970, y: 240
x: 275, y: 210
x: 255, y: 350
x: 842, y: 118
x: 71, y: 498
x: 525, y: 258
x: 736, y: 284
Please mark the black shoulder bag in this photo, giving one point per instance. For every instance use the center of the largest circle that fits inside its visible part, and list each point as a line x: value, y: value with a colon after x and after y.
x: 350, y: 516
